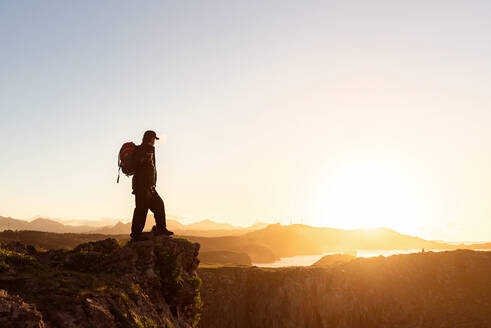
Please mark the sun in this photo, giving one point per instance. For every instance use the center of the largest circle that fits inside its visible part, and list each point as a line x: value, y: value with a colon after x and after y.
x: 368, y: 196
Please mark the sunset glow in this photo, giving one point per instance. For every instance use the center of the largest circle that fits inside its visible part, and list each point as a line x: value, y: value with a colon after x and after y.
x: 371, y: 196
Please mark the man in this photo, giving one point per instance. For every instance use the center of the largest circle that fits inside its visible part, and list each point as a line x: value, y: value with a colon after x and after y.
x: 143, y: 183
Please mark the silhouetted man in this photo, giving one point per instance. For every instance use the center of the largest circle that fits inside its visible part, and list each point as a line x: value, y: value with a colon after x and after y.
x: 143, y: 183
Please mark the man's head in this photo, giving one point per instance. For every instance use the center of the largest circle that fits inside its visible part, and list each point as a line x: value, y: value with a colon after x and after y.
x: 149, y: 137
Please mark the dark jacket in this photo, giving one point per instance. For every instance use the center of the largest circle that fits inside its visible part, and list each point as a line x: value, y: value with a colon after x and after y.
x: 145, y: 177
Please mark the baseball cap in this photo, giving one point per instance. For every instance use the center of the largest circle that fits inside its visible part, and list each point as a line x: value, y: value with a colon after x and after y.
x: 150, y: 134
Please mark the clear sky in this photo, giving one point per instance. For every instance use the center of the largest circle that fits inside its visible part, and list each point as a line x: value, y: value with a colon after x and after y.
x: 331, y: 113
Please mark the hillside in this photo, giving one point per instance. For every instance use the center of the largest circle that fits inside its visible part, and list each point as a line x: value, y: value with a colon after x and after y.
x: 151, y: 283
x: 262, y: 246
x: 239, y: 244
x: 223, y: 250
x: 484, y: 246
x: 277, y: 241
x: 445, y: 289
x: 51, y: 241
x: 334, y: 259
x: 262, y: 243
x: 297, y: 239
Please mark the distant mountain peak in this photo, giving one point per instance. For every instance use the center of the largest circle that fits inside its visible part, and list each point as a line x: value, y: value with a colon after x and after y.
x: 208, y: 224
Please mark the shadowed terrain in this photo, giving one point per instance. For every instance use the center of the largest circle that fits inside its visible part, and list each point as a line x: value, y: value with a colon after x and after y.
x: 150, y: 283
x: 446, y: 289
x: 154, y: 283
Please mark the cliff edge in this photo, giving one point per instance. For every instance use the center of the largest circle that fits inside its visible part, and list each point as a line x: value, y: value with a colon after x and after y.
x: 447, y: 289
x: 151, y: 283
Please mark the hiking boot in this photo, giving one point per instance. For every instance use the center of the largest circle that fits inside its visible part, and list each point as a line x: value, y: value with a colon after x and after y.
x: 162, y: 231
x: 168, y: 232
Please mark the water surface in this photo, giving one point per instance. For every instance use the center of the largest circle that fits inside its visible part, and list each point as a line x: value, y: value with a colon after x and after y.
x: 306, y: 260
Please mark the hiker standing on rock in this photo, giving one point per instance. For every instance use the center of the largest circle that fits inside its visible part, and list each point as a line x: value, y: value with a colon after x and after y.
x: 143, y: 183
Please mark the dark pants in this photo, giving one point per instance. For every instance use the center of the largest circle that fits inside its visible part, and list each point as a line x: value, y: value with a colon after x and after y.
x: 147, y: 200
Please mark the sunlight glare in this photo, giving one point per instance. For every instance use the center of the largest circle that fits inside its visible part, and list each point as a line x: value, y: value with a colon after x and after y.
x: 370, y: 196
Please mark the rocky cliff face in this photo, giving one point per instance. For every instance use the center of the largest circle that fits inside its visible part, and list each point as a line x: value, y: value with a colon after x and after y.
x: 151, y: 283
x: 449, y: 289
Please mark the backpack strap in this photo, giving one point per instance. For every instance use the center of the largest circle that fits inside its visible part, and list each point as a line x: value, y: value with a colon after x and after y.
x: 119, y: 168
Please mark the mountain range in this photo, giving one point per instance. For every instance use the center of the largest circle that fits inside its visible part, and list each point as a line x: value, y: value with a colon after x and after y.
x: 277, y: 241
x: 41, y: 224
x: 298, y: 239
x: 202, y: 228
x: 262, y: 243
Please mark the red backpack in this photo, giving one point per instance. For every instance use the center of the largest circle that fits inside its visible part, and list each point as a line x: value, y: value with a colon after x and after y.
x: 125, y: 159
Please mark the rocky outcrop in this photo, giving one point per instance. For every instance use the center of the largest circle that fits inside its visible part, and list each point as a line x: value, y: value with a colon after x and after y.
x: 151, y: 283
x: 448, y: 289
x: 15, y: 313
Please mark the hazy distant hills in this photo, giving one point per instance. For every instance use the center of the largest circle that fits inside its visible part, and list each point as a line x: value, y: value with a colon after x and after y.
x: 41, y: 224
x: 277, y: 241
x: 297, y: 239
x: 103, y: 222
x: 261, y: 242
x: 482, y: 246
x: 207, y: 227
x: 210, y: 225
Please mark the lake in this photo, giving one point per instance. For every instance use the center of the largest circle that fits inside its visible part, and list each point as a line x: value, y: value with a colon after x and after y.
x: 306, y: 260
